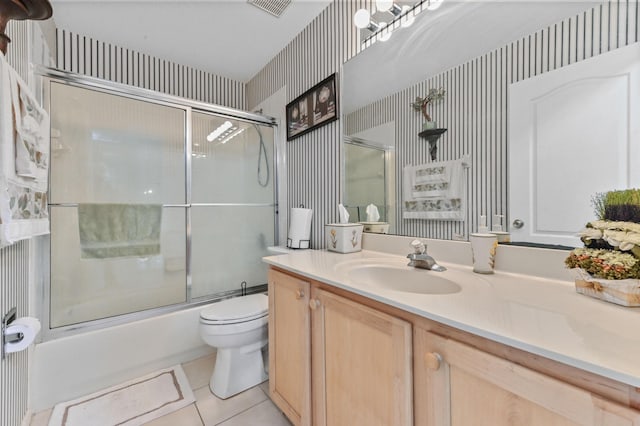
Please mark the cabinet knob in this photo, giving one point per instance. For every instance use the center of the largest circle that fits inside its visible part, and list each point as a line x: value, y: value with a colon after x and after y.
x: 314, y: 303
x: 433, y: 360
x: 299, y: 294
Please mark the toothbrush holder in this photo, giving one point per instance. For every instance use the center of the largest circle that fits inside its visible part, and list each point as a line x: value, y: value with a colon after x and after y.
x: 483, y: 251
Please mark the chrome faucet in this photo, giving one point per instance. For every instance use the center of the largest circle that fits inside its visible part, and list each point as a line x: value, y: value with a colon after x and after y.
x: 420, y: 259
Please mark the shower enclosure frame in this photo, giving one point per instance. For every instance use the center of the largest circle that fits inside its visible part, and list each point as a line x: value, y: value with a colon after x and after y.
x: 43, y: 251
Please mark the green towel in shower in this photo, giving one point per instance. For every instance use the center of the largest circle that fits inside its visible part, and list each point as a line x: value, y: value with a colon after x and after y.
x: 119, y: 230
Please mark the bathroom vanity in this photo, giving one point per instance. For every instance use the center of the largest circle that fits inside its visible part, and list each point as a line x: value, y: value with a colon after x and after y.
x: 347, y: 348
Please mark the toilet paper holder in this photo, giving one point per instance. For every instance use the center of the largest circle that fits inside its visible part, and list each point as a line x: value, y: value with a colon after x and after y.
x: 13, y: 337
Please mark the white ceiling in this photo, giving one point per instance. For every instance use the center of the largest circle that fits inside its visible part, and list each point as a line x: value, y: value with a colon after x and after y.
x: 230, y: 38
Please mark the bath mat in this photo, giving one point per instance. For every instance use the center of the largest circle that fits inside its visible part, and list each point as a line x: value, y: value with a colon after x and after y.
x: 132, y: 403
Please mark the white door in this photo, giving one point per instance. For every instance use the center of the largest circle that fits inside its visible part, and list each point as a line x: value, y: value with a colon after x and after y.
x: 573, y: 132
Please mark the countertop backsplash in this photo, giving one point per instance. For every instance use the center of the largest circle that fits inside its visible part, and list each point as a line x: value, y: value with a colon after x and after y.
x: 539, y: 262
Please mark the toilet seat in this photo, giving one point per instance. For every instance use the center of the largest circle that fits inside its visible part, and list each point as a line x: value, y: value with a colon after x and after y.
x: 236, y: 310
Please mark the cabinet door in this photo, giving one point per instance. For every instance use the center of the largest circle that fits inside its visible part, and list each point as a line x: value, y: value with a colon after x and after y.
x: 290, y: 346
x: 459, y: 385
x: 361, y: 364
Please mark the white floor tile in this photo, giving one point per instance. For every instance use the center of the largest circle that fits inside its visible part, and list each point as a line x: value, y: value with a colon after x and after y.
x: 265, y: 387
x: 199, y: 371
x: 187, y: 416
x: 214, y: 410
x: 263, y: 414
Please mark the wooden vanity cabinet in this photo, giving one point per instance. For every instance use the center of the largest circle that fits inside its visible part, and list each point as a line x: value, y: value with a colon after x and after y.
x: 337, y: 358
x: 361, y: 359
x: 461, y: 385
x: 290, y: 346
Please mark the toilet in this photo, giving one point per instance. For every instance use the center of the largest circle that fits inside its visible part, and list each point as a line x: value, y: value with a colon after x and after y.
x: 237, y: 327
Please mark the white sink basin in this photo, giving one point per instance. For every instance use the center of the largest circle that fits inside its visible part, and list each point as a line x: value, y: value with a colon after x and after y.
x: 401, y: 278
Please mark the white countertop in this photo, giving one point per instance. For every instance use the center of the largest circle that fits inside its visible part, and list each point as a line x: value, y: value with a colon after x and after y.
x: 542, y: 316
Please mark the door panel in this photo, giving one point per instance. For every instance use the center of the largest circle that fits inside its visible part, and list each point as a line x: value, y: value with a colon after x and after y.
x: 563, y: 148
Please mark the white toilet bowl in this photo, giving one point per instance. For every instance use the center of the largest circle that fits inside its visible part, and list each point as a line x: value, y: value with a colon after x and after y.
x: 237, y: 327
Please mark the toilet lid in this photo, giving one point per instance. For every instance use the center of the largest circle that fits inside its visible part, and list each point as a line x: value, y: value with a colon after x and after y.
x: 244, y: 308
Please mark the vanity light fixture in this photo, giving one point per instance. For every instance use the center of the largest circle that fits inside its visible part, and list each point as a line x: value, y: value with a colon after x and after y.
x: 407, y: 18
x: 385, y: 33
x: 389, y: 6
x: 362, y: 19
x: 403, y: 16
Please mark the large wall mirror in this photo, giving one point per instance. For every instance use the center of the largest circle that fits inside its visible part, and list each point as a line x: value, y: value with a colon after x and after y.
x: 483, y: 54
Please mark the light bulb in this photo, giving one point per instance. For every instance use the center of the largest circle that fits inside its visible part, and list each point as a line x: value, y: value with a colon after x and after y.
x: 408, y: 18
x: 434, y: 4
x: 384, y: 5
x: 385, y: 33
x: 361, y: 18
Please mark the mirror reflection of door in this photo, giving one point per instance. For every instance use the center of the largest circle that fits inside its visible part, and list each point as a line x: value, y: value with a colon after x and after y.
x: 368, y: 180
x: 573, y: 133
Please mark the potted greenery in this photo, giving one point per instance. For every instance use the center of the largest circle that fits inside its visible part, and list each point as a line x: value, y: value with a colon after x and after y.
x: 608, y: 266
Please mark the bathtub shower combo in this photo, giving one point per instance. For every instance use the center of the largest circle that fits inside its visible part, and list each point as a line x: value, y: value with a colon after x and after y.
x: 156, y: 203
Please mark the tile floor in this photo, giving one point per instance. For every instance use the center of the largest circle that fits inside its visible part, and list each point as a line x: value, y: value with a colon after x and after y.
x: 250, y: 408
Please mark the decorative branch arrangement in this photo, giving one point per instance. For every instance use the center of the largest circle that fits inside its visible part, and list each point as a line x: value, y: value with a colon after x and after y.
x: 421, y: 104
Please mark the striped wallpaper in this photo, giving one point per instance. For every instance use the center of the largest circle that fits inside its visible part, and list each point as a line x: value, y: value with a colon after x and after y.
x: 14, y: 369
x: 475, y: 107
x: 314, y: 159
x: 474, y: 110
x: 14, y: 272
x: 87, y: 56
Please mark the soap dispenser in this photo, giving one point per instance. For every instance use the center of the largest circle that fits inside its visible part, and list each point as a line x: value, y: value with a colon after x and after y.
x: 498, y: 230
x: 482, y: 226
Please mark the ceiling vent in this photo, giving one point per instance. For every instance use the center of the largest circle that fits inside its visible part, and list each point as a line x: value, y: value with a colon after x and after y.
x: 274, y: 7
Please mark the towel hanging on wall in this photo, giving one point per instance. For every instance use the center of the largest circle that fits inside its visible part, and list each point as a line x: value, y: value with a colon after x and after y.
x: 435, y: 190
x: 24, y: 160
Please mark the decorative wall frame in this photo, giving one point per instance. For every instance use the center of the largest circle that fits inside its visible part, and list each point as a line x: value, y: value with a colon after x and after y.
x: 314, y: 108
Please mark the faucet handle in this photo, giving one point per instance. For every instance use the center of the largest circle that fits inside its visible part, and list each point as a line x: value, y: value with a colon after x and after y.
x: 418, y: 246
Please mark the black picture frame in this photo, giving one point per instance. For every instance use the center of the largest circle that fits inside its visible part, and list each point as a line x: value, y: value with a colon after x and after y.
x: 314, y: 108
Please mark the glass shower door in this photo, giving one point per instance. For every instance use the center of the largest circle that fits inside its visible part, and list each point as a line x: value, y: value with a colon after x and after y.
x: 232, y: 198
x: 118, y: 205
x: 365, y: 180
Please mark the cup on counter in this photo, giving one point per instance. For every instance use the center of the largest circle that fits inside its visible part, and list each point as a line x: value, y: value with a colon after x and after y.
x: 483, y: 251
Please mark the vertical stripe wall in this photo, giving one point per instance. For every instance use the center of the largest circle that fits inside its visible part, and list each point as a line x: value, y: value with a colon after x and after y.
x: 314, y: 160
x: 475, y: 107
x: 87, y: 56
x: 14, y: 271
x: 14, y: 369
x: 474, y: 110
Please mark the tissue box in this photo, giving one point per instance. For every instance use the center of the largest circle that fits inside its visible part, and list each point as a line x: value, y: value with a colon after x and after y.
x: 344, y: 237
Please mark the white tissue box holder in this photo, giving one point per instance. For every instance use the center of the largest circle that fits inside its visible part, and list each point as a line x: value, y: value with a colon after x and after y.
x: 343, y: 237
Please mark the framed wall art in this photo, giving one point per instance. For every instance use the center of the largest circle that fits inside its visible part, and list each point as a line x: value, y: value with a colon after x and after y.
x: 314, y: 108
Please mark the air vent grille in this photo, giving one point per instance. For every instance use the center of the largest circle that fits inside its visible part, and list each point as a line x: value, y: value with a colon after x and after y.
x: 274, y: 7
